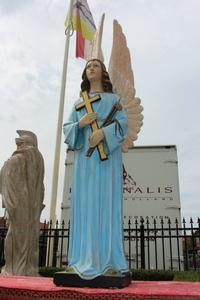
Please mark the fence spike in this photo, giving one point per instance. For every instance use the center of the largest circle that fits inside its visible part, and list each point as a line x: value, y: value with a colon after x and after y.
x: 63, y: 223
x: 141, y: 220
x: 44, y: 225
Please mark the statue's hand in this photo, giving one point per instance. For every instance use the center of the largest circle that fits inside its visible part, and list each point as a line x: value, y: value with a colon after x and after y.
x: 96, y: 137
x: 87, y: 119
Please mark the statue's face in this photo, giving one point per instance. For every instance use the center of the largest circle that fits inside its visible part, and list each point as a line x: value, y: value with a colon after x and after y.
x: 19, y: 141
x: 94, y: 71
x: 23, y: 141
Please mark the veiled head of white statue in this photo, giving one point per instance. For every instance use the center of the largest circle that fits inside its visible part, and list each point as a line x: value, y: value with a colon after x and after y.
x: 26, y: 138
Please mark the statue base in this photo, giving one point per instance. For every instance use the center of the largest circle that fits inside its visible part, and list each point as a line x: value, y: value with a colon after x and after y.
x: 103, y: 281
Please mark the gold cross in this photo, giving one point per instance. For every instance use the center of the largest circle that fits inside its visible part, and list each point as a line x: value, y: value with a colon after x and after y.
x: 87, y: 103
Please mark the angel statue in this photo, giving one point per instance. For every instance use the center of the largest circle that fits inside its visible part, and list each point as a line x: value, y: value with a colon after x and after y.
x: 104, y: 122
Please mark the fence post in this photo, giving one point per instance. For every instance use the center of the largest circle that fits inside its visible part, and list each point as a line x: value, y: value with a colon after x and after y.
x: 142, y: 245
x: 193, y: 245
x: 68, y: 236
x: 148, y: 242
x: 186, y: 268
x: 3, y: 234
x: 129, y: 244
x: 55, y: 245
x: 43, y: 245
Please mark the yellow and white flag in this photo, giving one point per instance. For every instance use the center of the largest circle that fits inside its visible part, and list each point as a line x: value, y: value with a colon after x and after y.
x: 82, y: 21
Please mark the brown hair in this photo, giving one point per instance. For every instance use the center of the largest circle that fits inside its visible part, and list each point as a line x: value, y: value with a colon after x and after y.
x: 106, y: 83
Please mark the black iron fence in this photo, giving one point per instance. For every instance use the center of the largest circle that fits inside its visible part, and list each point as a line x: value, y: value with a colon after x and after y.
x: 149, y: 244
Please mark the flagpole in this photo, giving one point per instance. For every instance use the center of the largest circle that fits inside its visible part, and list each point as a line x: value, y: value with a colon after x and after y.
x: 60, y: 124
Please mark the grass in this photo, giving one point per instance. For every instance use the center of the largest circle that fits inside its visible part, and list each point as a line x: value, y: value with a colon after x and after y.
x: 161, y: 275
x: 186, y: 276
x: 49, y: 271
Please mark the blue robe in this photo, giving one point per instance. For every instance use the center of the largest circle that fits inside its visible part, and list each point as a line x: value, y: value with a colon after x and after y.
x: 96, y: 231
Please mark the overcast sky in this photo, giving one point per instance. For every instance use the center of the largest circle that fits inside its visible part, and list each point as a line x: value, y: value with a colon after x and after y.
x: 164, y: 40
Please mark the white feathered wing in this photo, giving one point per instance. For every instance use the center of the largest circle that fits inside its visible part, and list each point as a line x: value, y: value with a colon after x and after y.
x: 122, y: 78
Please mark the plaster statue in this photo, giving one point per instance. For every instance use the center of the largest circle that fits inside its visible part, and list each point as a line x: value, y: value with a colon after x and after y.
x: 96, y: 232
x: 22, y: 189
x: 96, y: 238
